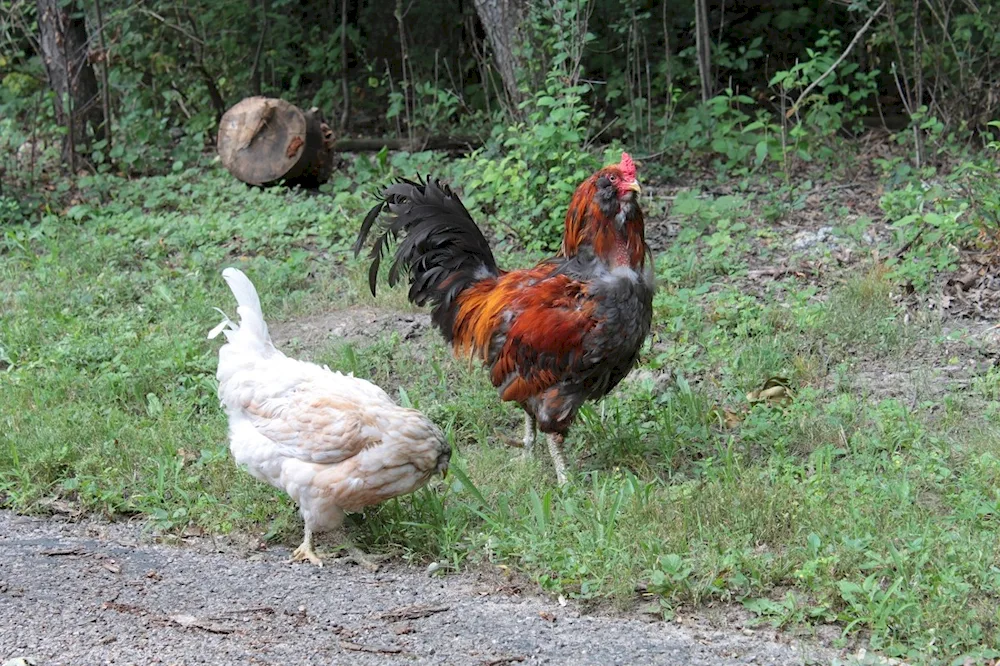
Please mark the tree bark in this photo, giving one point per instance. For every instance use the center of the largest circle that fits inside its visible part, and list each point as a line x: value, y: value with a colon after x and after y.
x: 345, y: 87
x: 704, y: 48
x: 105, y: 85
x: 502, y: 21
x: 255, y: 75
x: 71, y: 76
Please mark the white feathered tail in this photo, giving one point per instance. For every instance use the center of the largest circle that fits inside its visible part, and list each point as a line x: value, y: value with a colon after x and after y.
x: 251, y: 333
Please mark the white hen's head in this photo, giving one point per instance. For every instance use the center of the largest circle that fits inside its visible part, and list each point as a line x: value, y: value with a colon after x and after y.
x: 444, y: 458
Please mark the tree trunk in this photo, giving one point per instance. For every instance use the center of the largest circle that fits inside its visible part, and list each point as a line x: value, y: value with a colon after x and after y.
x: 71, y: 77
x: 704, y: 48
x: 255, y: 74
x: 502, y: 21
x: 345, y: 87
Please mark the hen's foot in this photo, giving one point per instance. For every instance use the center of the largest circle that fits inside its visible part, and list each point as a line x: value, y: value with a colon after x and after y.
x: 365, y: 561
x: 305, y: 553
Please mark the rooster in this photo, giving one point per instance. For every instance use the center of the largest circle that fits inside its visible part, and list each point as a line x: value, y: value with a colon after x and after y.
x: 553, y: 336
x: 333, y: 442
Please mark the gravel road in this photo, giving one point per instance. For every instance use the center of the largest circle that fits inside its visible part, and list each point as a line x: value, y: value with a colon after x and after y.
x: 96, y: 593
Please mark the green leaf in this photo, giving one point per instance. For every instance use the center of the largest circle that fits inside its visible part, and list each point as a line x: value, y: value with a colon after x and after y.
x: 761, y: 152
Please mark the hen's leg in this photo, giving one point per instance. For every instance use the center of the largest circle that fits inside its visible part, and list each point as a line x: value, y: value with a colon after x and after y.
x: 555, y: 441
x: 305, y: 551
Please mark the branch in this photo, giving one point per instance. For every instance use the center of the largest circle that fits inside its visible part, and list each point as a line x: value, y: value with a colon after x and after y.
x: 254, y: 70
x: 458, y: 144
x: 172, y: 26
x: 857, y: 37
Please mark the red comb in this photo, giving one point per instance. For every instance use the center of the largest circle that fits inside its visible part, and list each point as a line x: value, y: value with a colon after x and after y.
x: 627, y: 166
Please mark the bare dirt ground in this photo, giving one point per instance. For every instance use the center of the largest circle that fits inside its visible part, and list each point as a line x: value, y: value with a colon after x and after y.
x: 359, y: 325
x: 97, y: 593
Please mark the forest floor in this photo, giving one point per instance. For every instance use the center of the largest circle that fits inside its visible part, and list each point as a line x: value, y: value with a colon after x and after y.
x: 853, y: 508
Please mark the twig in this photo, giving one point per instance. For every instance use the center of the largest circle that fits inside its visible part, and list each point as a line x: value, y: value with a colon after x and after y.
x: 266, y: 610
x: 71, y: 550
x: 500, y: 661
x: 780, y: 271
x: 857, y: 36
x: 358, y: 647
x: 173, y: 26
x: 412, y: 612
x: 906, y: 246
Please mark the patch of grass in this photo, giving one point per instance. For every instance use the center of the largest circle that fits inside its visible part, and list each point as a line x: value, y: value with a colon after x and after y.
x: 826, y: 507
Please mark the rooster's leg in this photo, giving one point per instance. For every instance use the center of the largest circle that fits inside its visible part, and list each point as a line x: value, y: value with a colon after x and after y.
x: 529, y: 433
x: 555, y: 441
x: 305, y: 551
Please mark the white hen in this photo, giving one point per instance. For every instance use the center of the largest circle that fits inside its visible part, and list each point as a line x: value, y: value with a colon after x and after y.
x: 333, y: 442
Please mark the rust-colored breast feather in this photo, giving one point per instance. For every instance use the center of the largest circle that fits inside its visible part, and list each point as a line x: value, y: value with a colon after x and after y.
x: 545, y: 339
x: 483, y: 307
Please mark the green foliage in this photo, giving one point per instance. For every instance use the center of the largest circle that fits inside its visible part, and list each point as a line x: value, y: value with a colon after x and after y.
x: 524, y: 178
x: 868, y: 512
x: 928, y: 217
x: 838, y: 101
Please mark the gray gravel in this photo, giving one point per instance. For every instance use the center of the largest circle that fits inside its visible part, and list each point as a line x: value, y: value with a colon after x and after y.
x: 93, y: 593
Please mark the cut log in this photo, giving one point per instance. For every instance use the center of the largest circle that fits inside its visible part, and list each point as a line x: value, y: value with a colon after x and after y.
x: 263, y: 140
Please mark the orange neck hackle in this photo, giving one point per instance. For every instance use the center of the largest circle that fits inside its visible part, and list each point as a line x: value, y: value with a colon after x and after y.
x: 618, y: 244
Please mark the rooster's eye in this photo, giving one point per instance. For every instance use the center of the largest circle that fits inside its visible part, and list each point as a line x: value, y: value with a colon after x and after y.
x: 613, y: 178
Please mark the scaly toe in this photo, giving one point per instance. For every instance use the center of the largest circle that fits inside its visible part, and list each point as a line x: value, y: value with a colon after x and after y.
x: 368, y: 562
x: 302, y: 554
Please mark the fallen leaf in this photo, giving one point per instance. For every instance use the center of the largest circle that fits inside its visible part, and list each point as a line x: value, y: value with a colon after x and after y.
x: 731, y: 420
x: 547, y: 616
x: 775, y: 390
x: 186, y: 456
x: 61, y: 506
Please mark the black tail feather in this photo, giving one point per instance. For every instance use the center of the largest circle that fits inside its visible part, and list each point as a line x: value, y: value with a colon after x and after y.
x: 440, y: 246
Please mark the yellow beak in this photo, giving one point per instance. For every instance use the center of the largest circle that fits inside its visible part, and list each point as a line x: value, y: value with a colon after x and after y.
x: 634, y: 186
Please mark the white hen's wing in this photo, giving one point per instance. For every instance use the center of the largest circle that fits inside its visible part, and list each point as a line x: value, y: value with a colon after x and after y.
x: 308, y: 412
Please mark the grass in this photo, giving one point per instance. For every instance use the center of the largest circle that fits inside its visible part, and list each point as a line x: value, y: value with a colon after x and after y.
x: 843, y: 505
